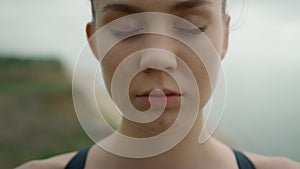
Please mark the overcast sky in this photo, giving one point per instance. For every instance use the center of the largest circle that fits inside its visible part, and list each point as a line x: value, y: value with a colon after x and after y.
x: 262, y: 66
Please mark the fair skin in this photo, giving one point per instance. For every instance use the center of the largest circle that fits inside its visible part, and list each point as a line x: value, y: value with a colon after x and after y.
x: 188, y: 153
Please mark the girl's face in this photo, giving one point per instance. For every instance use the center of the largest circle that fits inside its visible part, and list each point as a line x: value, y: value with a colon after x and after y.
x: 205, y: 14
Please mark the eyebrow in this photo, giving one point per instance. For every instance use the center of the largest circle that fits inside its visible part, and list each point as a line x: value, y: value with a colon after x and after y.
x: 133, y: 9
x: 189, y: 4
x: 122, y: 8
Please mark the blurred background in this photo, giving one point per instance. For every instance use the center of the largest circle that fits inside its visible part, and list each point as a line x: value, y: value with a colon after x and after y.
x: 41, y: 39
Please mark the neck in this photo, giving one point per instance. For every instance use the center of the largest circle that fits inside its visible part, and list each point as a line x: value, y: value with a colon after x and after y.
x: 190, y: 145
x: 189, y: 153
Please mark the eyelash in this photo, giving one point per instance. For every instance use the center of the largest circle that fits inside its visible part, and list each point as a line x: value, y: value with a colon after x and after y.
x: 194, y: 31
x: 128, y: 33
x: 134, y: 32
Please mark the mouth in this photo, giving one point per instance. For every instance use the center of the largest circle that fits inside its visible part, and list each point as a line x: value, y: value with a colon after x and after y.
x: 156, y: 98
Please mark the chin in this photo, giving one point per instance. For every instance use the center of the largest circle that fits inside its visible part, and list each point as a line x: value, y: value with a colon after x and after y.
x: 164, y: 122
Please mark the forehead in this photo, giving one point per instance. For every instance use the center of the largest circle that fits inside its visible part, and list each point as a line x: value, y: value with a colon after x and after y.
x: 159, y: 5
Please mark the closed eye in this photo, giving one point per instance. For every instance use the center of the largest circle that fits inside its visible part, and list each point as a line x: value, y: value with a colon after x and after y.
x: 125, y: 27
x: 126, y: 33
x: 192, y: 30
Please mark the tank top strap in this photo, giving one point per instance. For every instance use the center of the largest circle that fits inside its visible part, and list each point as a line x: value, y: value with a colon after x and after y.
x: 243, y: 161
x: 78, y: 161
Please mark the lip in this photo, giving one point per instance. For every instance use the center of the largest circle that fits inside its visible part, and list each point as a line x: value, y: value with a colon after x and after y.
x: 158, y: 99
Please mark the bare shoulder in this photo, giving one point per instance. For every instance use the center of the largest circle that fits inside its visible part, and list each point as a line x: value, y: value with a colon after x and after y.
x: 265, y: 162
x: 56, y: 162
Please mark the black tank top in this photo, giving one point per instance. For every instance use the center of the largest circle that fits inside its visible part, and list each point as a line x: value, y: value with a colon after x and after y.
x: 78, y: 161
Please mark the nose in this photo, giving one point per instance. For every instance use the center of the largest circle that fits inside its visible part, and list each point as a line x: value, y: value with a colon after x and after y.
x: 154, y: 58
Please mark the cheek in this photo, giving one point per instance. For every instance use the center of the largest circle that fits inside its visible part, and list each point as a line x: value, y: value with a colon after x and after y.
x: 203, y: 81
x: 219, y: 39
x: 216, y: 33
x: 109, y: 64
x: 201, y: 75
x: 107, y: 73
x: 112, y: 60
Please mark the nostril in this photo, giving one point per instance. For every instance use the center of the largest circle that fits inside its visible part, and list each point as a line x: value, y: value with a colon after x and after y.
x: 170, y: 68
x: 173, y: 63
x: 147, y: 71
x: 158, y: 59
